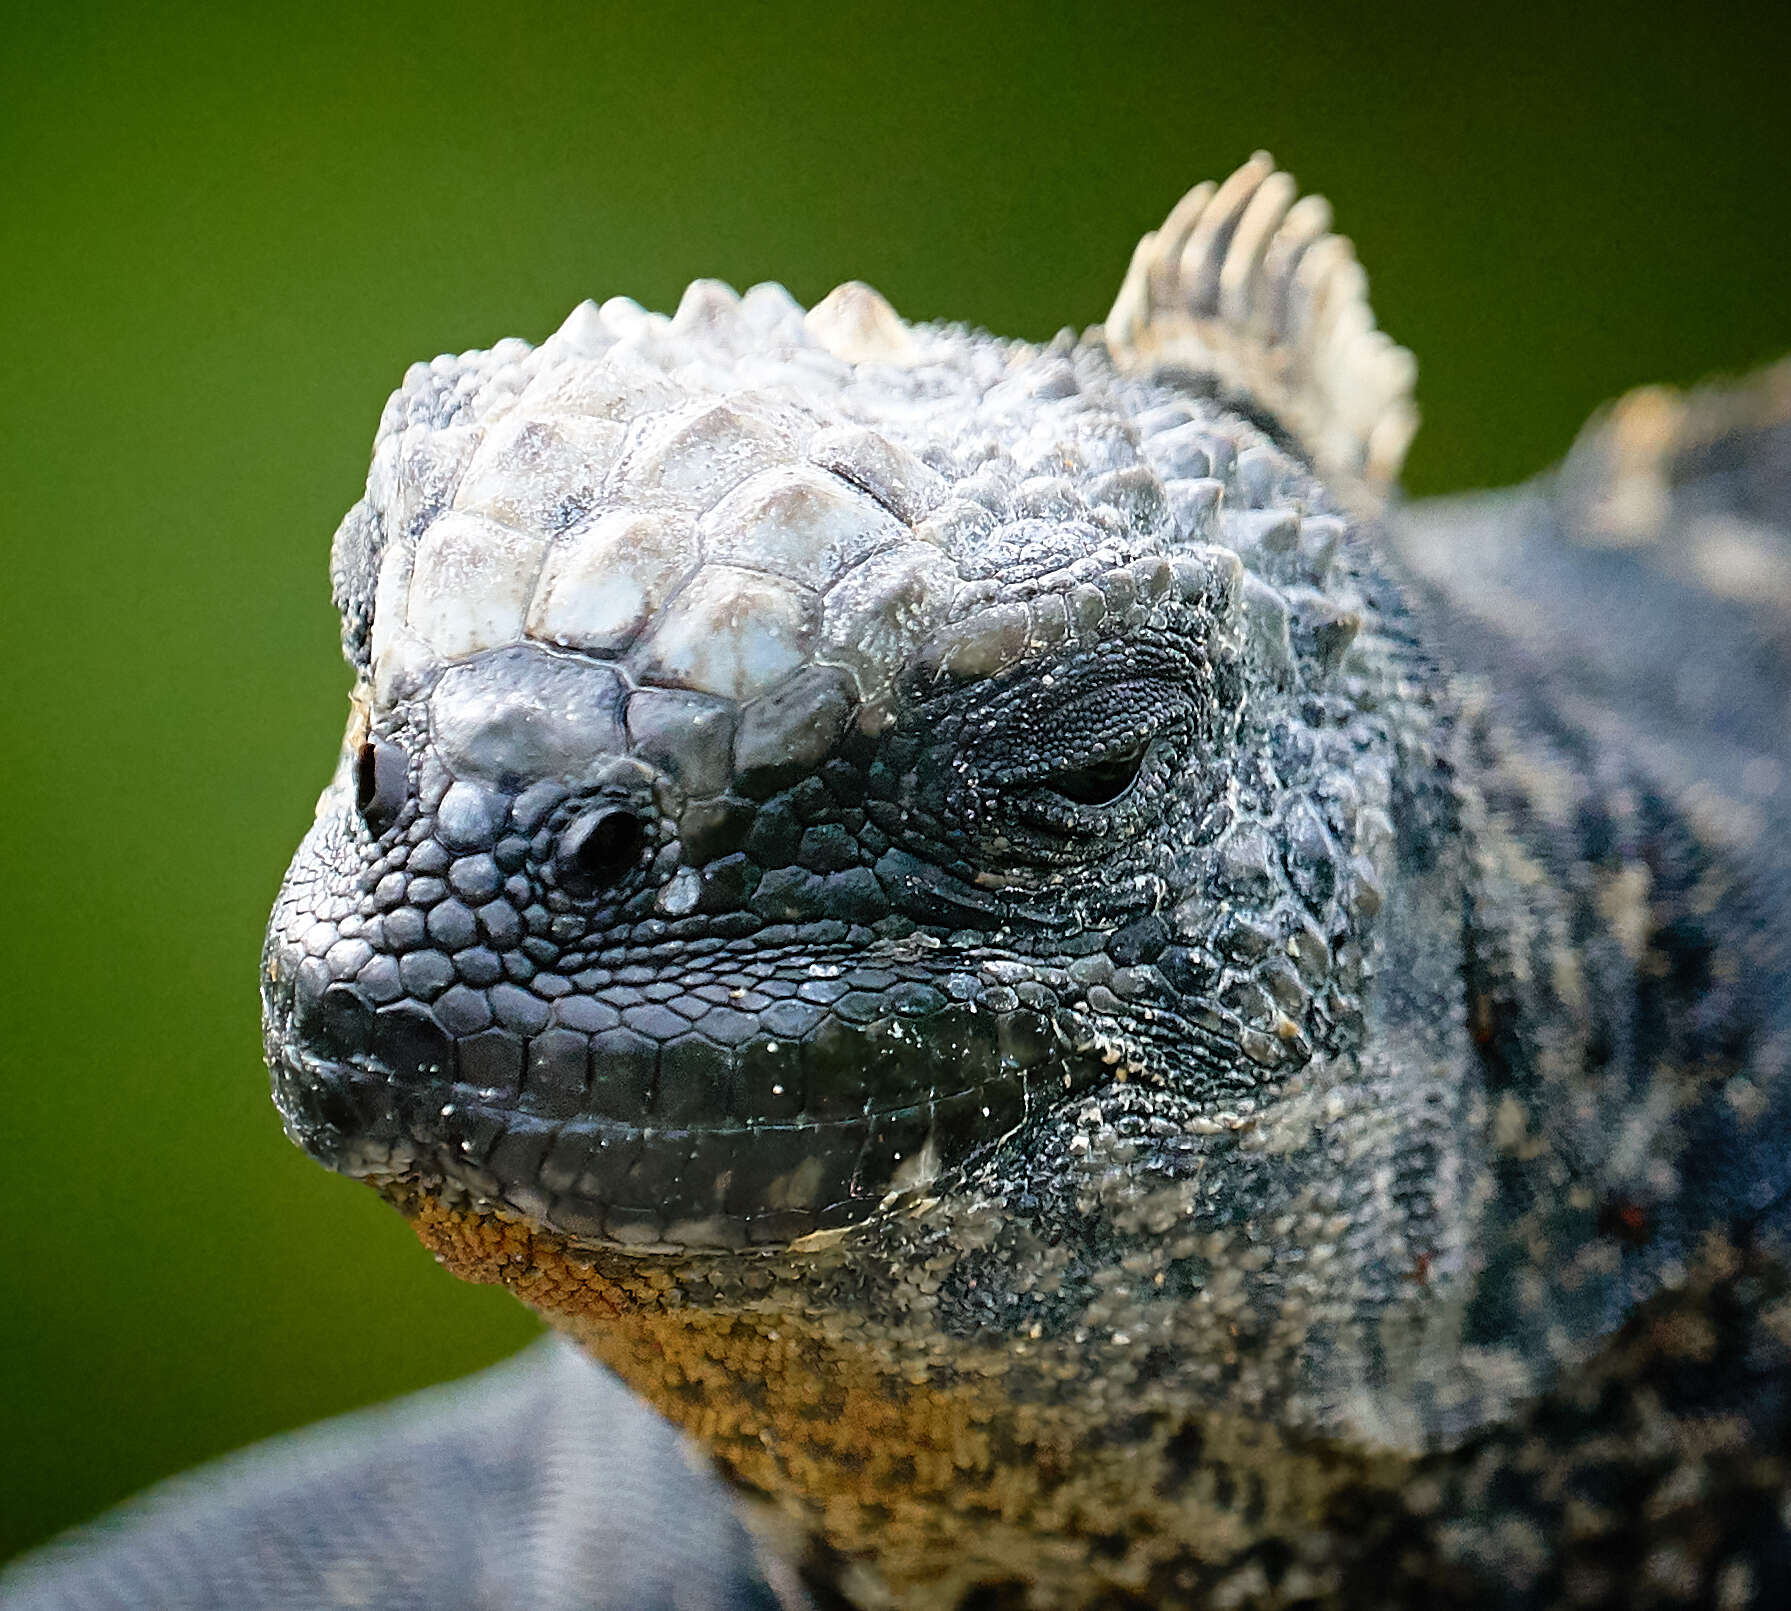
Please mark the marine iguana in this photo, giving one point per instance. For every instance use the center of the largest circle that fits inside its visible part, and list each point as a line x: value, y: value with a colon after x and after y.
x: 1101, y: 1014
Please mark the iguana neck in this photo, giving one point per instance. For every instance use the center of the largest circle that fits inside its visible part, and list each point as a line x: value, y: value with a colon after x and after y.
x: 923, y: 1470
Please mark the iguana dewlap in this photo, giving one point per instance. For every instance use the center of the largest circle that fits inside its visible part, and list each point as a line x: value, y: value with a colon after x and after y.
x: 1102, y: 1018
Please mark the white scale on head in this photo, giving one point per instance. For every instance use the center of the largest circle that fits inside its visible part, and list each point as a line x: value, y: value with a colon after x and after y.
x: 632, y: 501
x: 715, y: 500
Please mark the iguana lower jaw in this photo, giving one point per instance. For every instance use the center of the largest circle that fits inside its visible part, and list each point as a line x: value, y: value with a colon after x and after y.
x: 918, y: 1469
x: 768, y: 1143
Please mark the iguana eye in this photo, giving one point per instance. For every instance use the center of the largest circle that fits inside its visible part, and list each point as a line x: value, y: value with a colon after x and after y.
x: 597, y: 849
x: 381, y: 782
x: 1102, y: 781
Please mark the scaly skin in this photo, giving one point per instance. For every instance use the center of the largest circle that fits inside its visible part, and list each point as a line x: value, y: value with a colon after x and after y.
x: 970, y: 920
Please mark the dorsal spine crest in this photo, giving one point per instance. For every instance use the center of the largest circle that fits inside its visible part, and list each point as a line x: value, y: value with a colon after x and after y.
x: 1245, y: 283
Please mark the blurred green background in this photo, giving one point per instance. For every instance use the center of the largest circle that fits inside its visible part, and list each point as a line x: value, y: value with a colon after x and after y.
x: 223, y: 240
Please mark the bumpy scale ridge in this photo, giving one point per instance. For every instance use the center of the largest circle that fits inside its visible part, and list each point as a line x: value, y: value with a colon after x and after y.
x: 1246, y: 284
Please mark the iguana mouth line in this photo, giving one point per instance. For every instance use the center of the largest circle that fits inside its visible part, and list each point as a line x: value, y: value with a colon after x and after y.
x: 769, y: 1152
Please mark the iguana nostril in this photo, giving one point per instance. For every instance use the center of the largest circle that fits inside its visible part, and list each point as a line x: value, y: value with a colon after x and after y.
x: 333, y: 1020
x: 598, y: 848
x: 408, y: 1040
x: 381, y: 782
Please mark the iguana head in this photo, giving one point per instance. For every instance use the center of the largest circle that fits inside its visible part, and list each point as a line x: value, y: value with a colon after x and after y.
x: 874, y: 821
x: 791, y: 752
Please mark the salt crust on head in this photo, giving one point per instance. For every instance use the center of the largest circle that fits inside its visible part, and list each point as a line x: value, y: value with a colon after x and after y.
x: 717, y: 498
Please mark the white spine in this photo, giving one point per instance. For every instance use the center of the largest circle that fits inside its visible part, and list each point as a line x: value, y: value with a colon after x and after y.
x: 1244, y: 282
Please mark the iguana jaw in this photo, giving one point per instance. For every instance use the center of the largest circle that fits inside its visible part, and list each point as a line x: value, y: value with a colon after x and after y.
x: 853, y: 1115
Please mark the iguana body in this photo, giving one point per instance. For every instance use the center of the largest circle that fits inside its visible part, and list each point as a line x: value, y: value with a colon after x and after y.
x: 1099, y: 1022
